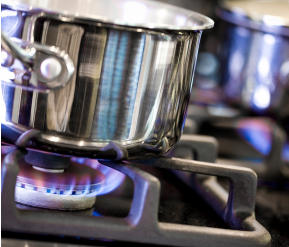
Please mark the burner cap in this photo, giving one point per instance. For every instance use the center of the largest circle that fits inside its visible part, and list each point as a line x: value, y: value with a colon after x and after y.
x: 74, y: 188
x: 48, y: 161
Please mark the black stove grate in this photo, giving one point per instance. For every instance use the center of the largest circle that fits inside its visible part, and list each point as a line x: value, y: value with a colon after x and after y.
x: 142, y: 223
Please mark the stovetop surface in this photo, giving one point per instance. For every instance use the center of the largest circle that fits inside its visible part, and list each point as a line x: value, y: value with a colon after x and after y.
x: 178, y: 204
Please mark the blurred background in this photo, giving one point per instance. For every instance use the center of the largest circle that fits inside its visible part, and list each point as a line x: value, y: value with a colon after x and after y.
x: 240, y: 97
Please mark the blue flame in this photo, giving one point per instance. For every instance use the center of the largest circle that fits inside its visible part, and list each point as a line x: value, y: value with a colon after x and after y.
x: 113, y: 178
x: 257, y: 133
x: 84, y: 187
x: 95, y: 213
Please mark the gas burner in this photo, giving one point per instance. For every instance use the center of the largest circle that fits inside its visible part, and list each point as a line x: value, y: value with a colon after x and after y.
x: 254, y: 142
x: 72, y: 188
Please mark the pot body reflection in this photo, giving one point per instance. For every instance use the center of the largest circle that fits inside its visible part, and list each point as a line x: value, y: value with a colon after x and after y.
x: 244, y: 61
x: 130, y: 88
x: 255, y: 69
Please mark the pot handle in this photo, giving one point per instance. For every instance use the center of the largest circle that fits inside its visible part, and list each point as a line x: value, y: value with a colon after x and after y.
x: 47, y: 67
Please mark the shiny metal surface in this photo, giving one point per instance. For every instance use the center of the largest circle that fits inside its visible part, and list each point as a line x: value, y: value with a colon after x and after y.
x: 271, y: 13
x: 26, y: 57
x: 267, y: 16
x: 249, y: 60
x: 50, y: 68
x: 136, y: 13
x: 33, y: 57
x: 254, y: 69
x: 131, y: 88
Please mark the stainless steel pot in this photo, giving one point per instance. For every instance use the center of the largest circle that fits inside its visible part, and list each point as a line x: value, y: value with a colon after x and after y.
x: 134, y: 63
x: 254, y: 55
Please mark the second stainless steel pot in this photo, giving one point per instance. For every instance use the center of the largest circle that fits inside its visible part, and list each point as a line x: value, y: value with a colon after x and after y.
x: 254, y: 55
x: 134, y: 70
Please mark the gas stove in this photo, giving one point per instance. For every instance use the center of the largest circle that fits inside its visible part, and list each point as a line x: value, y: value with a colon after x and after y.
x: 161, y: 201
x: 194, y: 196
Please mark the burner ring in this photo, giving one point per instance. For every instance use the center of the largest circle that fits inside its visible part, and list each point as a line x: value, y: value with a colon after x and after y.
x: 74, y: 189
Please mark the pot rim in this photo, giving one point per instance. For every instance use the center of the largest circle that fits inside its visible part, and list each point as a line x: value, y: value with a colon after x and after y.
x: 249, y: 13
x: 133, y: 13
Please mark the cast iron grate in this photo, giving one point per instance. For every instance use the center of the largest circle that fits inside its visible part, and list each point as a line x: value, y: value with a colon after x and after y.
x: 142, y: 224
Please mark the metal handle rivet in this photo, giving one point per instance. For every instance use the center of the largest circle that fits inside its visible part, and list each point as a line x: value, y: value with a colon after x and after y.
x: 50, y: 68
